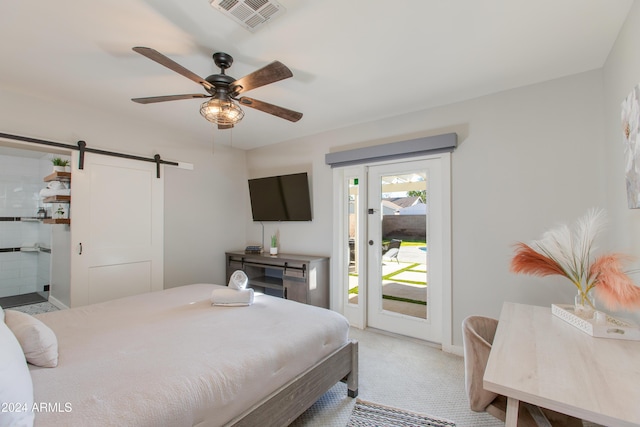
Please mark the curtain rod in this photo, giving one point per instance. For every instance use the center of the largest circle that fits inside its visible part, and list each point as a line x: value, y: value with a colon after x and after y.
x: 82, y: 147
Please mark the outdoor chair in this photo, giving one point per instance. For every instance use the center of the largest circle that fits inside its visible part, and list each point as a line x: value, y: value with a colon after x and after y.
x: 392, y: 250
x: 477, y: 337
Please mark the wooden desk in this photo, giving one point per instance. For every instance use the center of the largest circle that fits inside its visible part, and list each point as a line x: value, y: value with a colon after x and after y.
x: 540, y: 359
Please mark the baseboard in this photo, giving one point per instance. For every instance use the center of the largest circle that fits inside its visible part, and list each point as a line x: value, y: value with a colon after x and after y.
x: 404, y: 337
x: 57, y: 303
x: 458, y: 350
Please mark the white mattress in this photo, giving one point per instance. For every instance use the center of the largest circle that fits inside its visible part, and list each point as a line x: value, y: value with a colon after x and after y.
x: 172, y: 359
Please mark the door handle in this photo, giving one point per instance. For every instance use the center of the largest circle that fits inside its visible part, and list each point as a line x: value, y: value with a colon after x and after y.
x: 370, y: 242
x: 79, y: 248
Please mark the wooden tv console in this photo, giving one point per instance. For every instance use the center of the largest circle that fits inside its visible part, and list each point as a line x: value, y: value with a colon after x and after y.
x: 302, y: 278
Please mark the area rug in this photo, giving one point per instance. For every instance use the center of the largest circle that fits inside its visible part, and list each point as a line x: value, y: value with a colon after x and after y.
x: 367, y: 414
x: 41, y: 307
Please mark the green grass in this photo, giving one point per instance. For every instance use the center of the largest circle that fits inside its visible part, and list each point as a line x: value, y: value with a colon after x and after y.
x: 390, y: 276
x: 408, y: 242
x: 390, y: 297
x: 412, y: 301
x: 410, y: 267
x: 418, y: 243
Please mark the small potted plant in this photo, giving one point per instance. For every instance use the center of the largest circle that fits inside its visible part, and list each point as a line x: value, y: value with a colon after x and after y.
x: 59, y: 164
x: 60, y: 212
x: 274, y: 245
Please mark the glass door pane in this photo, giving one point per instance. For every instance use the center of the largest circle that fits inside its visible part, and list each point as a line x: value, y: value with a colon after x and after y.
x: 353, y: 221
x: 403, y: 231
x: 404, y: 272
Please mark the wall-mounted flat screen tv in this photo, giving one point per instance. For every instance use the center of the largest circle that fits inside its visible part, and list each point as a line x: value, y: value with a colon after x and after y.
x: 280, y: 198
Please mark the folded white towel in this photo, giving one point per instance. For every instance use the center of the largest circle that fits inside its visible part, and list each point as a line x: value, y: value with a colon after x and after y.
x: 232, y: 297
x: 238, y: 280
x: 57, y: 185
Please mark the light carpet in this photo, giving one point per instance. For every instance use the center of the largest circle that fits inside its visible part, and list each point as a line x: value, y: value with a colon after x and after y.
x: 367, y: 414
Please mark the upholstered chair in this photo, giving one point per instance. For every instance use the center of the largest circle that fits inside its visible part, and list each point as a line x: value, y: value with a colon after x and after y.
x: 477, y: 337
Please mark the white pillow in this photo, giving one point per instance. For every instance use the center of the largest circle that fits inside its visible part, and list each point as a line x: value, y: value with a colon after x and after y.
x: 38, y: 342
x: 16, y: 388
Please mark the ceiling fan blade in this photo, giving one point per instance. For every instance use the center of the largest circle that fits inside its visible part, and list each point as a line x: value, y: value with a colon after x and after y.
x: 152, y: 99
x: 284, y: 113
x: 154, y: 55
x: 268, y: 74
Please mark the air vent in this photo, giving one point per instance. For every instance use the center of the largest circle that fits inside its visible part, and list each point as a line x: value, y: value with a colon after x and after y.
x: 251, y: 14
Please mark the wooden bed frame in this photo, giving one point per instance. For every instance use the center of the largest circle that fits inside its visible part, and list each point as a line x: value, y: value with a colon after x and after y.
x: 283, y: 406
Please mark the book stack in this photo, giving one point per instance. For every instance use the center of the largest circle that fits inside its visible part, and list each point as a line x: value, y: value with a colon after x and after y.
x: 253, y: 250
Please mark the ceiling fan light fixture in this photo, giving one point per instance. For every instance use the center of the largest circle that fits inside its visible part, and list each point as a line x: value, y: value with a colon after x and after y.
x: 221, y: 112
x: 222, y: 109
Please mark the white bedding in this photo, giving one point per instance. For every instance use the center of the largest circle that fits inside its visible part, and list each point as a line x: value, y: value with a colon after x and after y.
x: 170, y: 358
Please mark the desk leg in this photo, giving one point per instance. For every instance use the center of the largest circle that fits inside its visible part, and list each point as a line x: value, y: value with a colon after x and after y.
x: 512, y: 412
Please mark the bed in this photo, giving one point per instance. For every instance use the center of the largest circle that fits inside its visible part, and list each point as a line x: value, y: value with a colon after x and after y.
x: 170, y: 358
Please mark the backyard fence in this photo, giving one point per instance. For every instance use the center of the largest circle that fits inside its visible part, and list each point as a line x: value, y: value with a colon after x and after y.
x: 404, y: 227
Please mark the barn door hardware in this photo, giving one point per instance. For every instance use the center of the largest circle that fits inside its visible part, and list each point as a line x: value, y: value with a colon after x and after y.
x: 82, y: 148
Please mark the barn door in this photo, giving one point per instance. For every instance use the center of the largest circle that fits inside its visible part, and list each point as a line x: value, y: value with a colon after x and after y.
x: 117, y: 216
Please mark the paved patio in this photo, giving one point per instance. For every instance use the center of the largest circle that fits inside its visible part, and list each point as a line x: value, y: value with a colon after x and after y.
x: 408, y: 256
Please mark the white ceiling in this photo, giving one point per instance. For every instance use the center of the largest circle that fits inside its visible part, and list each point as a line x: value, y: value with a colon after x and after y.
x: 353, y: 61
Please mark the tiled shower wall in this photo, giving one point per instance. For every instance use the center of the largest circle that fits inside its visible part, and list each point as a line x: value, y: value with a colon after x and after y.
x: 21, y: 179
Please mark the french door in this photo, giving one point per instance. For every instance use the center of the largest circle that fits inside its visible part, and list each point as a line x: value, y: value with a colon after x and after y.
x: 394, y: 248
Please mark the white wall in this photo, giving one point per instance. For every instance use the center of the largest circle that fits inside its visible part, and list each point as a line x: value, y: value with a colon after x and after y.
x: 527, y: 159
x: 295, y: 237
x: 201, y: 206
x: 621, y: 74
x: 205, y: 211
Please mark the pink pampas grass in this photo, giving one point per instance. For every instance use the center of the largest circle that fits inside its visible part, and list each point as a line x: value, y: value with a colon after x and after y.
x: 568, y: 252
x: 614, y: 288
x: 528, y: 261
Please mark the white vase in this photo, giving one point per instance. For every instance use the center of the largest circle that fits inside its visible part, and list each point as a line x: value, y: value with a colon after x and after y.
x: 58, y: 168
x: 273, y: 251
x: 67, y: 168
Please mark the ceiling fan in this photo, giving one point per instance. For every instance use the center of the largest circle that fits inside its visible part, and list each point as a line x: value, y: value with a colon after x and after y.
x: 223, y: 108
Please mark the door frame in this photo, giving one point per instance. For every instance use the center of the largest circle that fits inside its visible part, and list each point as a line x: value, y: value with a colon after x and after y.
x: 339, y: 294
x: 339, y: 291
